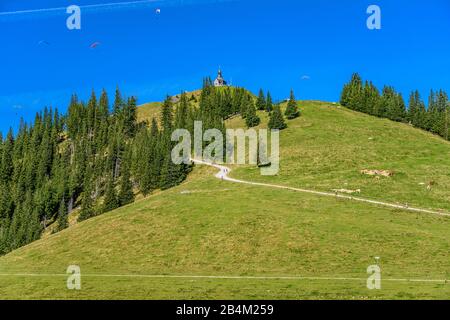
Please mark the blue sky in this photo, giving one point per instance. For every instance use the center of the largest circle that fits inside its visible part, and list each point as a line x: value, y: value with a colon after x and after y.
x: 268, y: 44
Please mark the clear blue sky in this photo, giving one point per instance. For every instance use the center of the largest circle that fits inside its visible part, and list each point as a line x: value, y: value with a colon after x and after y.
x: 268, y: 44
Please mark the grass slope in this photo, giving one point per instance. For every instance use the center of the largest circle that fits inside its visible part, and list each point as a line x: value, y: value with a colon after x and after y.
x: 214, y: 228
x: 148, y: 111
x: 329, y: 145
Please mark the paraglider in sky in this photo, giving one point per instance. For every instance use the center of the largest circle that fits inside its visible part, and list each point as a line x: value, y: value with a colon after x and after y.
x: 43, y: 43
x: 94, y: 45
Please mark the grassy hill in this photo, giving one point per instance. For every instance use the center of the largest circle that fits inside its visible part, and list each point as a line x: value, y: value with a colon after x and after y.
x: 329, y: 145
x: 148, y: 111
x: 184, y: 242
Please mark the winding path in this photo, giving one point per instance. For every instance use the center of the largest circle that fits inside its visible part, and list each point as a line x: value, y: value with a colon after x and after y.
x: 224, y: 171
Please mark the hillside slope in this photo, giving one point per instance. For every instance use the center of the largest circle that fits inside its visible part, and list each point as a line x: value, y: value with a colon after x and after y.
x: 329, y: 145
x: 193, y: 240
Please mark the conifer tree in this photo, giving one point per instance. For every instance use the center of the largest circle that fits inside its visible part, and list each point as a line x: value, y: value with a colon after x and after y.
x: 103, y: 121
x: 103, y: 106
x: 63, y: 221
x: 167, y: 116
x: 236, y: 101
x: 269, y: 103
x: 168, y: 174
x: 126, y: 194
x: 143, y: 157
x: 370, y: 98
x: 355, y: 93
x: 421, y: 112
x: 396, y: 109
x: 276, y: 120
x: 251, y: 118
x: 6, y: 203
x: 87, y: 203
x: 92, y: 116
x: 292, y: 109
x: 345, y: 95
x: 441, y: 114
x: 118, y: 103
x: 129, y: 117
x: 227, y: 104
x: 246, y: 100
x: 156, y: 158
x: 110, y: 202
x: 261, y: 101
x: 6, y: 168
x: 412, y: 108
x: 182, y: 111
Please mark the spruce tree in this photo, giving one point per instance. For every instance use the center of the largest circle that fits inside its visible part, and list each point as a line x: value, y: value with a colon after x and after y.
x: 156, y: 158
x: 126, y: 194
x: 168, y: 174
x: 251, y: 118
x: 167, y: 116
x: 355, y: 93
x: 182, y: 112
x: 92, y: 116
x: 118, y: 103
x: 236, y: 101
x: 110, y: 202
x: 246, y: 100
x: 6, y: 169
x: 261, y: 101
x: 103, y: 106
x: 412, y: 108
x: 6, y: 202
x: 420, y: 119
x: 63, y: 220
x: 87, y: 203
x: 397, y: 108
x: 87, y: 210
x: 276, y: 120
x: 345, y: 95
x: 103, y: 121
x: 129, y: 114
x: 269, y: 103
x: 292, y: 109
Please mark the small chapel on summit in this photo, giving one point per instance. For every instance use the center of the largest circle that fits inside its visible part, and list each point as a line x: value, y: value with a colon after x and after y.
x: 220, y: 81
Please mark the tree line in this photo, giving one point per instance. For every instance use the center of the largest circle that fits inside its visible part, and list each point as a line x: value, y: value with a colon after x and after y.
x: 85, y: 160
x: 365, y: 97
x: 98, y: 157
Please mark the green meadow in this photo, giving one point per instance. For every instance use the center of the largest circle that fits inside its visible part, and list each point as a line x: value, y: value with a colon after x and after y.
x: 209, y: 239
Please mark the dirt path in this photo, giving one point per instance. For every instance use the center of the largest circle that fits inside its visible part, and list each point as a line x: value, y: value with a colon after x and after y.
x: 224, y: 171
